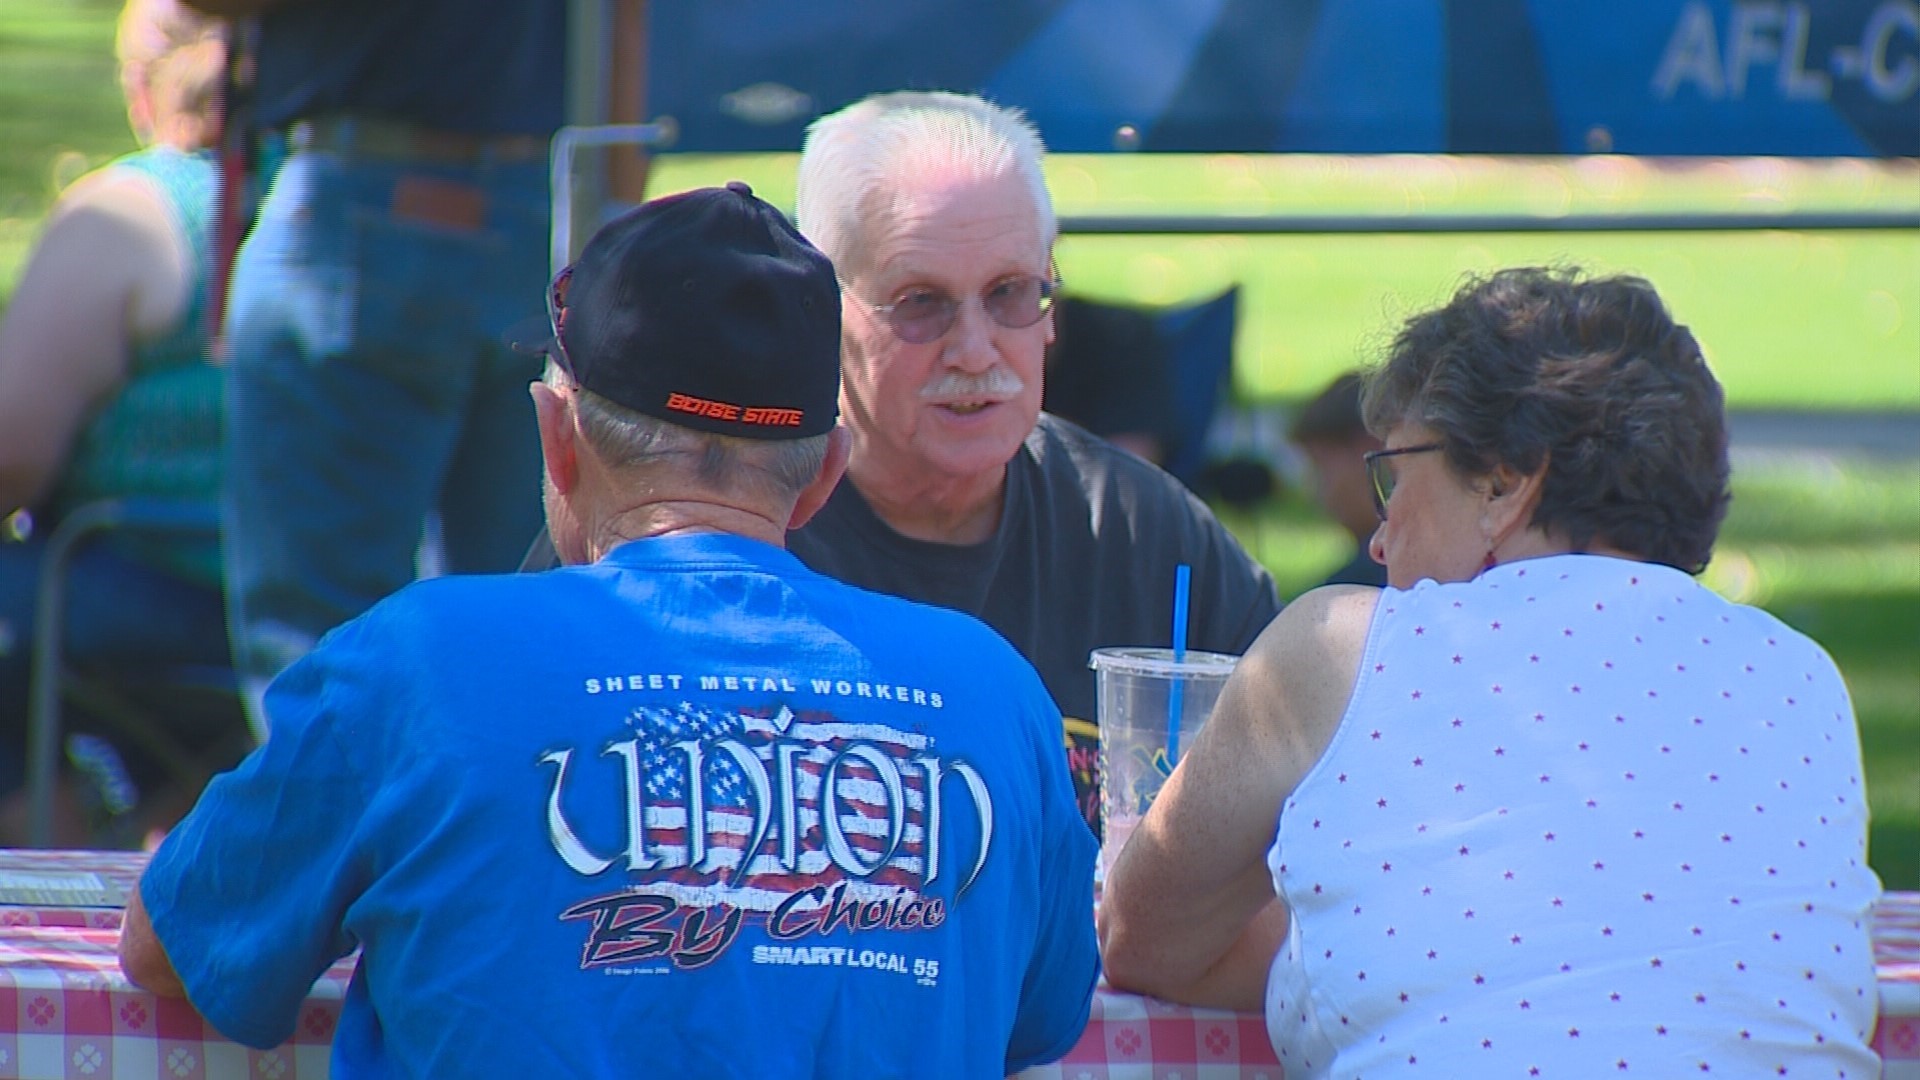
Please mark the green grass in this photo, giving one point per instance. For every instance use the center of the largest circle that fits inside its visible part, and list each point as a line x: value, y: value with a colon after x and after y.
x: 60, y: 110
x: 1834, y: 551
x: 1828, y: 321
x: 1770, y: 307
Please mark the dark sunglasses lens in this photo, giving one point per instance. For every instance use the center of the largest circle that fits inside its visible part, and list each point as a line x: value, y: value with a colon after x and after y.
x: 921, y: 317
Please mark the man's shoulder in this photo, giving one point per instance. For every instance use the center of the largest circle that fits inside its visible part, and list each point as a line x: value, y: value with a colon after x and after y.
x: 436, y: 612
x: 900, y: 615
x: 1072, y: 462
x: 894, y: 632
x: 1142, y: 513
x: 1065, y: 452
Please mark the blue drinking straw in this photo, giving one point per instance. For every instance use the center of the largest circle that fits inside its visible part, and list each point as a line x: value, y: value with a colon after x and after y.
x: 1182, y: 577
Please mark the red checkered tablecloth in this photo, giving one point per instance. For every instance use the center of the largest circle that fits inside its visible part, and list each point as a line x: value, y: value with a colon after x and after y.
x: 1896, y: 955
x: 1135, y: 1038
x: 67, y: 1012
x: 115, y: 871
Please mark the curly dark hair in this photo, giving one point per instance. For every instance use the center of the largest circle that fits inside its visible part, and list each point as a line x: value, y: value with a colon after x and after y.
x: 1593, y: 377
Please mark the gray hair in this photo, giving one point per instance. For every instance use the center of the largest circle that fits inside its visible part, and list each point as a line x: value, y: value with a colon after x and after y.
x: 1590, y: 376
x: 855, y: 160
x: 630, y: 440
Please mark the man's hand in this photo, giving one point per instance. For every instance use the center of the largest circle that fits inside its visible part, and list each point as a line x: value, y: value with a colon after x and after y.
x: 142, y: 957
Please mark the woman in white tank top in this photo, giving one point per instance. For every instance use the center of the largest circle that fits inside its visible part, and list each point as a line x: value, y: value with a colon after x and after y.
x: 1545, y: 806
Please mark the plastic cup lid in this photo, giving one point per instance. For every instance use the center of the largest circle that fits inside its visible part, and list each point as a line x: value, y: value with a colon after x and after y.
x: 1160, y: 662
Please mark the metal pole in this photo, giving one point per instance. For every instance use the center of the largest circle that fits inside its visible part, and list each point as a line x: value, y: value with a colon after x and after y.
x: 566, y: 142
x: 1203, y: 224
x: 588, y: 23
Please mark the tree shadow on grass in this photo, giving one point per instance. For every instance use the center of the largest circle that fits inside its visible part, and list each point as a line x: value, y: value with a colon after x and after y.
x: 1893, y: 849
x: 1880, y: 627
x: 1875, y: 640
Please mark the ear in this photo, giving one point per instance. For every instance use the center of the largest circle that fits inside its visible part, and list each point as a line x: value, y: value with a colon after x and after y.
x: 554, y: 415
x: 1053, y: 271
x: 1511, y: 498
x: 815, y: 495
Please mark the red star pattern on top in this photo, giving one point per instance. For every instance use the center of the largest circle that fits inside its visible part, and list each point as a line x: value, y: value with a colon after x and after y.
x: 1633, y: 767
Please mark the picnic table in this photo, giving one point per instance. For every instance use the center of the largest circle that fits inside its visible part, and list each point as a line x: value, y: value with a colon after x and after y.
x: 66, y: 1011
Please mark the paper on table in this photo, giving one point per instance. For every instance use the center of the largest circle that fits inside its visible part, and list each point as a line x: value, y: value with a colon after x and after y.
x: 59, y: 888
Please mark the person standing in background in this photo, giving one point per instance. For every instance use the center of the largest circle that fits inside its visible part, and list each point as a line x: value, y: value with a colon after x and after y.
x: 1334, y: 436
x: 406, y: 230
x: 106, y: 390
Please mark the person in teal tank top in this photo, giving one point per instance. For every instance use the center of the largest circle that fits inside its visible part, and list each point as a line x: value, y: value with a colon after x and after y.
x: 107, y: 389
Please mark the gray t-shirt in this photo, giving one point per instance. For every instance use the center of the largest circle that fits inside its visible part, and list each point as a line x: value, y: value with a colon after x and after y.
x: 1084, y: 558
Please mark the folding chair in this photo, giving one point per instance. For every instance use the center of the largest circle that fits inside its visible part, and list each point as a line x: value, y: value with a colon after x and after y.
x: 141, y: 701
x: 1199, y: 341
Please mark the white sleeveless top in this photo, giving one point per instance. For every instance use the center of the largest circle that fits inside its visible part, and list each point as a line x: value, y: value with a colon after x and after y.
x: 1582, y: 818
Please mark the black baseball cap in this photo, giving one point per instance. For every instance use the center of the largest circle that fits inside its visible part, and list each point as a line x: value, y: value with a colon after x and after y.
x: 706, y: 309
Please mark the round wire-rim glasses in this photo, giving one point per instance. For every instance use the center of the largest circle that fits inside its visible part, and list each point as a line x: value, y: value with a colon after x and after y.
x: 922, y: 314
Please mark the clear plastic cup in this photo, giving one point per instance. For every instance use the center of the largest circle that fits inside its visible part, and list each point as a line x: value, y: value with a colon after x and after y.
x: 1150, y: 708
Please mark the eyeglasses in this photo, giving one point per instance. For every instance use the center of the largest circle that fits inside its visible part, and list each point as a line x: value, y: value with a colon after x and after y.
x: 924, y: 314
x: 1381, y: 474
x: 557, y: 317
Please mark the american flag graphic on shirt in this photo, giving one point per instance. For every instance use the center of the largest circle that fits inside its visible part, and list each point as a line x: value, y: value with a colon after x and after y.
x: 744, y: 808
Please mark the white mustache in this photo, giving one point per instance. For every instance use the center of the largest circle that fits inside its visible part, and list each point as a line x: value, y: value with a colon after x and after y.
x: 998, y: 384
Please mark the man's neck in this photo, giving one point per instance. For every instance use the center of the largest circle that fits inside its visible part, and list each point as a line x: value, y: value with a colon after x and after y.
x: 679, y: 518
x: 942, y: 510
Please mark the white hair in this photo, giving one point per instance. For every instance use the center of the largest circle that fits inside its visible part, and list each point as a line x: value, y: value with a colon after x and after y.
x: 628, y: 439
x: 855, y: 159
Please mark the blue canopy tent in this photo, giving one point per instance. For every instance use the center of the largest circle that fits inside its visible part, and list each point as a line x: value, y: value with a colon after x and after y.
x: 1648, y: 77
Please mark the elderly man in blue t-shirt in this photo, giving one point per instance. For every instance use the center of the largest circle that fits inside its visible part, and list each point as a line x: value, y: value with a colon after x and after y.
x: 681, y: 806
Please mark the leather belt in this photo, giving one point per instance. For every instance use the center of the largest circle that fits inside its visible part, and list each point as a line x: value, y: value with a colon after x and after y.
x: 376, y: 137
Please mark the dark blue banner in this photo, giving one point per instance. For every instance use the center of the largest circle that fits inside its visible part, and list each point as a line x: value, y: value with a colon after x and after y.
x: 1815, y: 78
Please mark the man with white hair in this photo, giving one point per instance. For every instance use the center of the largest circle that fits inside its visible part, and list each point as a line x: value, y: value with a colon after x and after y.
x: 959, y: 490
x: 680, y: 807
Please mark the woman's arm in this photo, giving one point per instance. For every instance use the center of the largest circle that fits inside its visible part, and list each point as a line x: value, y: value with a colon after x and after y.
x: 109, y: 268
x: 1189, y: 912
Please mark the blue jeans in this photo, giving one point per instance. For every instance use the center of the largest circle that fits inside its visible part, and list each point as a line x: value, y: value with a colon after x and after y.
x: 370, y: 390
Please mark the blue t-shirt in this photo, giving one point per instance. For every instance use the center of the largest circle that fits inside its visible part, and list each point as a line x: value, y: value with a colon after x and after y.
x: 451, y: 65
x: 692, y: 810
